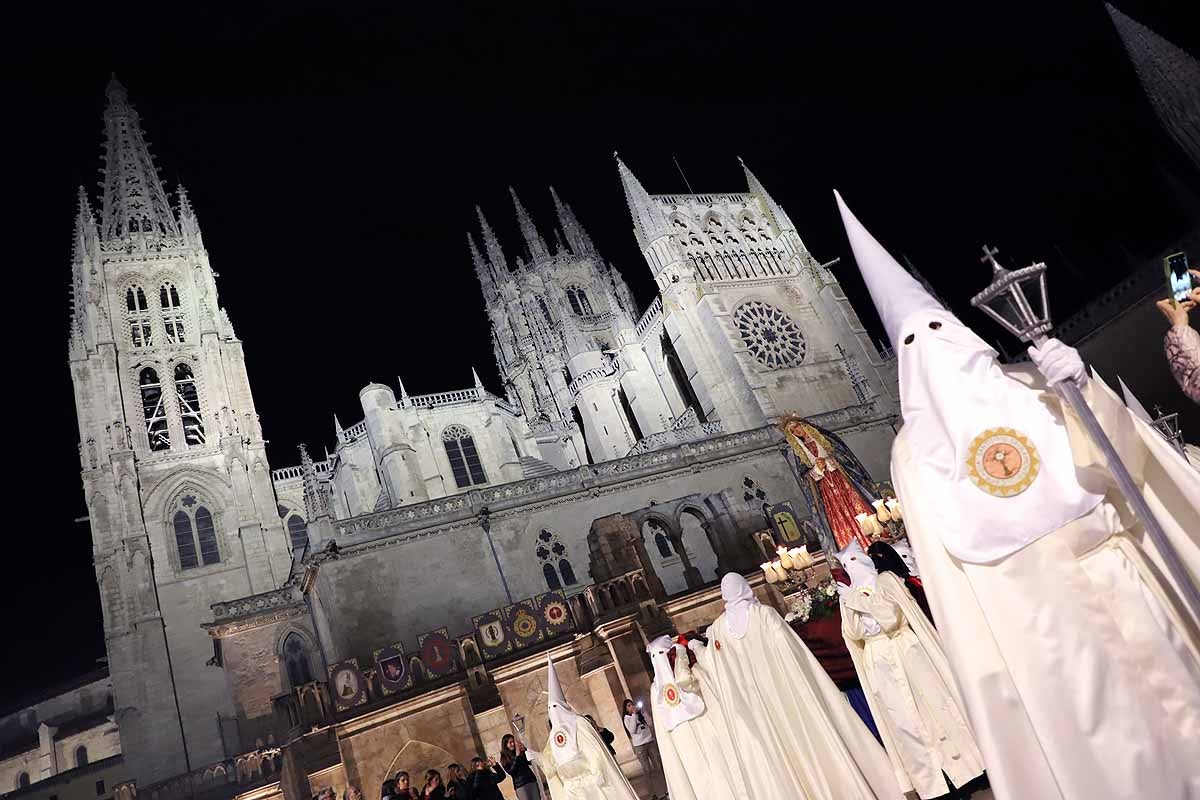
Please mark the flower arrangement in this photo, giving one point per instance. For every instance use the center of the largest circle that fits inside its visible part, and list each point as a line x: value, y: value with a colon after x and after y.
x: 814, y: 603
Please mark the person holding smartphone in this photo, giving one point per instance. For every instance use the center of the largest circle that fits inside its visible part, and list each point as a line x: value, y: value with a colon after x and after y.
x: 642, y: 739
x: 1182, y: 342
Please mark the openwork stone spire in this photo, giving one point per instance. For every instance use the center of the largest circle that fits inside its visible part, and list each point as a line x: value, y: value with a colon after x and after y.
x: 1169, y: 76
x: 316, y: 503
x: 577, y: 238
x: 491, y: 244
x: 648, y: 220
x: 134, y: 200
x: 778, y: 215
x: 483, y: 270
x: 533, y: 239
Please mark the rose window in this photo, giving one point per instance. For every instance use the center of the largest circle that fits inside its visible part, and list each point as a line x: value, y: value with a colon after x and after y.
x: 772, y: 337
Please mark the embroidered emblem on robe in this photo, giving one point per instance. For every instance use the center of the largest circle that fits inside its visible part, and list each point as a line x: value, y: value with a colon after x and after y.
x: 671, y: 695
x: 1002, y: 462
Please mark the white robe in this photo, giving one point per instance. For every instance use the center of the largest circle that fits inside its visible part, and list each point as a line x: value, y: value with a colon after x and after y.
x: 1080, y: 674
x: 793, y: 733
x: 592, y: 774
x: 697, y: 755
x: 909, y: 688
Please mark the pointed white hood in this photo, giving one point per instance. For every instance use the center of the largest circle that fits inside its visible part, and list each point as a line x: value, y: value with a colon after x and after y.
x: 904, y: 550
x: 1133, y: 403
x: 563, y: 719
x: 739, y: 599
x: 858, y: 565
x: 999, y: 459
x: 673, y: 705
x: 897, y: 294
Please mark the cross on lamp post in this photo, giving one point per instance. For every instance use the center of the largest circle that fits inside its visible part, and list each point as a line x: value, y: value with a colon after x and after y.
x: 1017, y: 299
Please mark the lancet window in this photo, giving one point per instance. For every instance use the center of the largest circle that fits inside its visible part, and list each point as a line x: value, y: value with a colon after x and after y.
x: 297, y: 531
x: 141, y: 334
x: 552, y: 554
x: 189, y: 406
x: 172, y: 313
x: 464, y: 458
x: 578, y: 299
x: 153, y: 411
x: 195, y: 534
x: 295, y: 659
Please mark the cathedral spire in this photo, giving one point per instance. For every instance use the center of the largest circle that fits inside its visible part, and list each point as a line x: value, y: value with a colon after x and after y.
x: 492, y: 245
x: 134, y: 199
x: 483, y: 270
x: 533, y: 239
x: 478, y: 383
x: 1169, y: 76
x: 188, y: 223
x: 778, y: 215
x: 577, y: 238
x: 648, y: 220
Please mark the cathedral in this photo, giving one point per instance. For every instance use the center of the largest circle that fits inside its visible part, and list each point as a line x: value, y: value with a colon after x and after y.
x: 630, y: 455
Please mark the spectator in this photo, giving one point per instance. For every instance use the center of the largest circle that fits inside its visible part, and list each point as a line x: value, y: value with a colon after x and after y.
x: 642, y: 739
x: 1182, y: 342
x: 456, y: 783
x: 433, y: 789
x: 485, y: 779
x: 404, y: 790
x: 606, y: 735
x: 389, y: 790
x: 352, y: 793
x: 516, y: 763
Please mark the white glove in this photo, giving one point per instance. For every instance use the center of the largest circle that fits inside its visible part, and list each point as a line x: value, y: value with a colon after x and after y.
x: 1058, y: 363
x: 696, y: 646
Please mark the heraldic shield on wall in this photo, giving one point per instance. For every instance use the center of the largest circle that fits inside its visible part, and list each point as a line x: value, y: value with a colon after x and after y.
x: 438, y: 656
x: 347, y: 685
x: 495, y: 639
x: 394, y: 675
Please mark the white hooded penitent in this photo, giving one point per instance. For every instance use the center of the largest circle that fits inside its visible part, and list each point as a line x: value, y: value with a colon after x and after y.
x: 564, y: 722
x: 1000, y: 459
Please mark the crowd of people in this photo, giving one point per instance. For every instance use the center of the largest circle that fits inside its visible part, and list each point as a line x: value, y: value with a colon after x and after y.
x: 482, y: 779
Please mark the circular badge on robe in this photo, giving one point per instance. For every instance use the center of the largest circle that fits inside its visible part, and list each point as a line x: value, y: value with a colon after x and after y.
x: 671, y: 695
x: 1002, y: 462
x: 560, y: 738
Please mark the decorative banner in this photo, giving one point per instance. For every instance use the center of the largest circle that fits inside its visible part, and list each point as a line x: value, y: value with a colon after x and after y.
x: 525, y: 623
x: 346, y: 684
x: 495, y: 639
x: 468, y: 647
x: 554, y: 613
x: 437, y: 653
x: 392, y: 669
x: 787, y: 527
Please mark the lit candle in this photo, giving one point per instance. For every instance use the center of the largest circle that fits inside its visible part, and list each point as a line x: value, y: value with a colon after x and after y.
x: 769, y: 573
x: 863, y: 525
x: 881, y: 511
x: 785, y: 558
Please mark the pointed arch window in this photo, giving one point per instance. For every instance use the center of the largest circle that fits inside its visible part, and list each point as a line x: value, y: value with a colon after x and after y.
x: 137, y: 309
x: 295, y: 660
x: 545, y: 311
x: 23, y: 780
x: 552, y: 554
x: 195, y: 534
x: 189, y: 406
x: 172, y: 313
x: 464, y: 458
x: 297, y: 531
x: 664, y: 547
x: 578, y: 299
x: 152, y: 410
x: 81, y: 756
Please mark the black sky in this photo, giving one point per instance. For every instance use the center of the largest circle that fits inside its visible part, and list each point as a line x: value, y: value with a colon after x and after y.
x: 334, y: 156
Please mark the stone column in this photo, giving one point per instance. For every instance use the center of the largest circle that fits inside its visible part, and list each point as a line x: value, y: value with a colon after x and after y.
x: 47, y: 757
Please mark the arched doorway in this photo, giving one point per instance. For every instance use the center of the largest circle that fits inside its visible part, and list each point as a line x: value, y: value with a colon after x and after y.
x: 699, y: 549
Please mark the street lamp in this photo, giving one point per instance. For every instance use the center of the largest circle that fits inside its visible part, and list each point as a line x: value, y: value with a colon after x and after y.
x: 1018, y: 300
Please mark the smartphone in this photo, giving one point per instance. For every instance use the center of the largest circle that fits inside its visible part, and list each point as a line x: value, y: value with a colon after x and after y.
x: 1179, y: 280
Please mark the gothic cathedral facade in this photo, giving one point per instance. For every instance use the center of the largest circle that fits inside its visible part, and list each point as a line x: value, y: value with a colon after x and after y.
x: 187, y: 515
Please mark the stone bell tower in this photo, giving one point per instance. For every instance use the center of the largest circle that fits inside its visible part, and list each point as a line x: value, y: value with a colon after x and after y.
x: 174, y: 468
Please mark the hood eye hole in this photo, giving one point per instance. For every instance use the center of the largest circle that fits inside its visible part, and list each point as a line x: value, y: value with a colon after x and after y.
x: 933, y: 326
x: 909, y: 339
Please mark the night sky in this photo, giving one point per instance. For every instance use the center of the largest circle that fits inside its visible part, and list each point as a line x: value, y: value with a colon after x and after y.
x: 334, y: 158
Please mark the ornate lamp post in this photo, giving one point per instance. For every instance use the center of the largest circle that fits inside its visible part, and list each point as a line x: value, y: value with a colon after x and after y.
x: 1019, y: 302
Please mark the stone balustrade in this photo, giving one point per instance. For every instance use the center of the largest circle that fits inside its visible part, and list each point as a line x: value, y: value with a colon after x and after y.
x: 652, y: 315
x: 285, y: 597
x: 290, y: 473
x: 677, y: 436
x: 588, y: 377
x: 221, y: 779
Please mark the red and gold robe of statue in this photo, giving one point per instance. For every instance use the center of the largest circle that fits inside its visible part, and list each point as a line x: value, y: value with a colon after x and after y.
x: 841, y: 500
